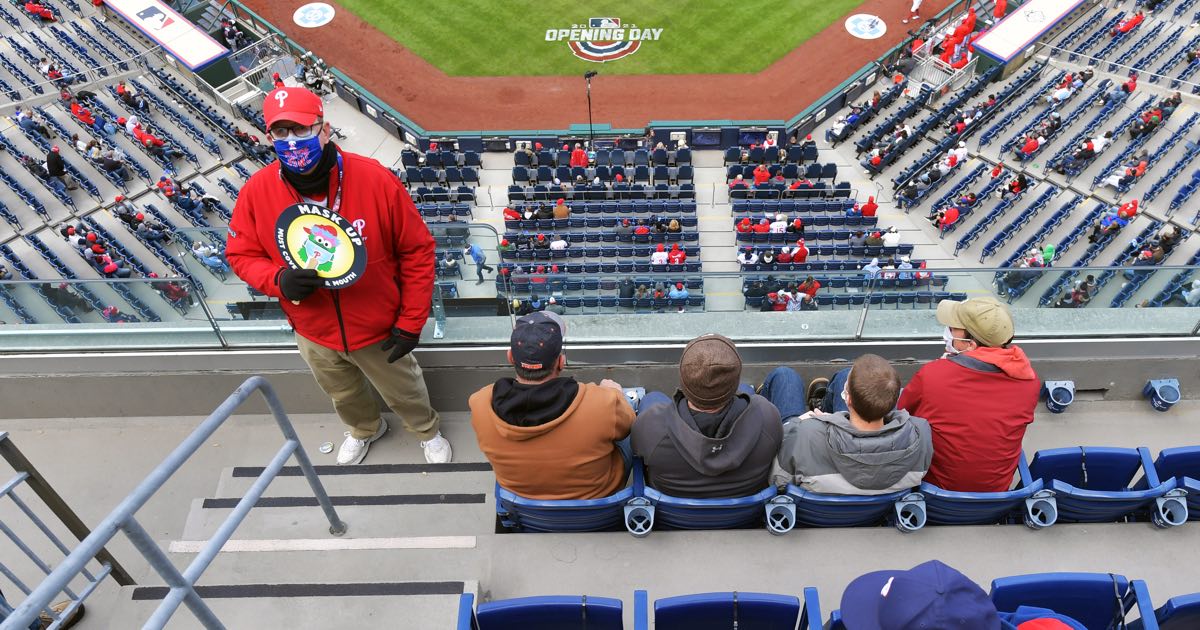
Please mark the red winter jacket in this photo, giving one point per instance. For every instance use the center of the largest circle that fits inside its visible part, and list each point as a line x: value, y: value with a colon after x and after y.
x: 395, y: 290
x: 978, y: 418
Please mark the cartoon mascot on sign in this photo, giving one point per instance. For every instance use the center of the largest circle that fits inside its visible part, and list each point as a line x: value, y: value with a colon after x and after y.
x: 319, y: 249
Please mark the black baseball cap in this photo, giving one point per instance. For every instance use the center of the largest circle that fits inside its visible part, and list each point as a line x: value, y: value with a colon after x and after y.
x: 537, y: 340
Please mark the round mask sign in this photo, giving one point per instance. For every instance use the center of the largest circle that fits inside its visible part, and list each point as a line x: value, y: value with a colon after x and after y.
x: 866, y: 26
x: 311, y: 237
x: 313, y: 15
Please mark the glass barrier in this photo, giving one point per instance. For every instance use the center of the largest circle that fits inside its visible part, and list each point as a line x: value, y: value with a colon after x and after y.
x: 606, y: 301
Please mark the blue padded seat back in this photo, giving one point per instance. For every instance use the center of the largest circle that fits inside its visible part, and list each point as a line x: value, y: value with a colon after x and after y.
x: 719, y: 611
x: 1178, y: 462
x: 1088, y: 468
x: 1089, y: 598
x: 552, y: 612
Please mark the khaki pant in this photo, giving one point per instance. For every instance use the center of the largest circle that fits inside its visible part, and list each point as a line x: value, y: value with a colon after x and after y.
x: 344, y: 378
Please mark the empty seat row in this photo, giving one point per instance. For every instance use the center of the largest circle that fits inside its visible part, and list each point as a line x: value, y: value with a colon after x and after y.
x: 601, y: 192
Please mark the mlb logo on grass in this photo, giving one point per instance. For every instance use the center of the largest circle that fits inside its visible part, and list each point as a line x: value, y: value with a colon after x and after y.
x: 603, y: 39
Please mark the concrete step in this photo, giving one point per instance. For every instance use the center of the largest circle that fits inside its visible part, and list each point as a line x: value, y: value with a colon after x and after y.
x: 415, y: 605
x: 366, y: 479
x: 380, y: 516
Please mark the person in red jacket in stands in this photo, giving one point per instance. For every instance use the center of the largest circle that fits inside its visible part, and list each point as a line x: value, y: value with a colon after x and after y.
x: 1128, y: 24
x: 82, y: 113
x: 762, y: 227
x: 40, y: 10
x: 869, y: 208
x: 800, y: 252
x: 744, y: 225
x: 761, y: 175
x: 358, y: 332
x: 978, y: 398
x: 676, y: 256
x: 579, y: 157
x: 511, y: 215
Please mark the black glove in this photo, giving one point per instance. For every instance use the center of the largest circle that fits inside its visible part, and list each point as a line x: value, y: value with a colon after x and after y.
x: 297, y: 284
x: 400, y: 343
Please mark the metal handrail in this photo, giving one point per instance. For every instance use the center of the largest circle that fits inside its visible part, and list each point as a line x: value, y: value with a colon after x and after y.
x: 181, y: 584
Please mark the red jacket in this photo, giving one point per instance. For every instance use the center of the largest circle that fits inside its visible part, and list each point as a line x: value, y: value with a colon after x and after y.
x: 870, y: 208
x: 579, y: 157
x: 978, y: 418
x: 761, y: 175
x: 396, y: 289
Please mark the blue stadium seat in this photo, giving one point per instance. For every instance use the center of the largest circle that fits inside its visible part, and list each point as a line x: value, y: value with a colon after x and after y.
x: 551, y: 612
x: 679, y: 513
x: 1096, y: 485
x: 1183, y: 465
x: 903, y: 509
x: 518, y: 513
x: 1029, y: 502
x: 721, y: 611
x: 1092, y: 599
x: 1179, y: 613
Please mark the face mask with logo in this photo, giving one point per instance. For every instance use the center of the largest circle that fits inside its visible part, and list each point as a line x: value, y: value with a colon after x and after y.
x: 949, y: 339
x: 299, y: 156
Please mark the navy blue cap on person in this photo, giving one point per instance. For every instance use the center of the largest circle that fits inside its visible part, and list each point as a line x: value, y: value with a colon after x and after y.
x: 536, y: 341
x: 929, y: 595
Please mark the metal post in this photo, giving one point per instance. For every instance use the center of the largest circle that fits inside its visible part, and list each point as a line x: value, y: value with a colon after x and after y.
x: 74, y: 524
x: 336, y: 526
x: 587, y: 76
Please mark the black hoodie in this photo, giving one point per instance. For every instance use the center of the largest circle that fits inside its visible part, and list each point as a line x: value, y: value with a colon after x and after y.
x: 724, y: 455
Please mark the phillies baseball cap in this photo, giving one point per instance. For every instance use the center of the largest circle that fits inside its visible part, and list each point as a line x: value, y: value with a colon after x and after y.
x: 929, y: 595
x: 536, y: 340
x: 293, y: 104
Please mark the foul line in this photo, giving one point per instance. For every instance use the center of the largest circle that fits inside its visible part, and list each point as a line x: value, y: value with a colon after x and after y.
x: 329, y: 544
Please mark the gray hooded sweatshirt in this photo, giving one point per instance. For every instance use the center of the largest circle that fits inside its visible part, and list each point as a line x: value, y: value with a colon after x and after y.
x: 728, y: 455
x: 825, y: 453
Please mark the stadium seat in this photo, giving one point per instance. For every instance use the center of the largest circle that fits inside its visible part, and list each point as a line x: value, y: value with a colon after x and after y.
x: 519, y: 514
x: 1179, y: 613
x: 1183, y: 465
x: 1029, y: 502
x: 542, y: 613
x: 1096, y: 485
x: 1093, y: 599
x: 678, y: 513
x: 903, y: 509
x: 722, y: 611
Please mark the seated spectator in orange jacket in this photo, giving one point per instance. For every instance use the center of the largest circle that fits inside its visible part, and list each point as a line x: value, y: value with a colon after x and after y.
x: 546, y: 435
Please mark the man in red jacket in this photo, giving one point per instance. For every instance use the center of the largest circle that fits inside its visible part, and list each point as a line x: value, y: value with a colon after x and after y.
x: 360, y: 332
x: 978, y: 398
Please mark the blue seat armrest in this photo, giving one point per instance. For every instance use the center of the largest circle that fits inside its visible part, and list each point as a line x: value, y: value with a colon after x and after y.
x: 638, y: 477
x: 1023, y: 470
x: 1152, y: 480
x: 641, y: 610
x: 810, y: 615
x: 466, y: 612
x: 1141, y: 597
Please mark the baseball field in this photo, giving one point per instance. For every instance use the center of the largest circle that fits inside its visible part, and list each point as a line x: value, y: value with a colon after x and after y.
x: 509, y: 37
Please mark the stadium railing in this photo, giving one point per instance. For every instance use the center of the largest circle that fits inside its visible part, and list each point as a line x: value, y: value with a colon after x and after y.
x: 850, y: 306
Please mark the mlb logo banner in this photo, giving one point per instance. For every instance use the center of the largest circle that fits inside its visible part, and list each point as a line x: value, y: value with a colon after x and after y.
x: 603, y: 39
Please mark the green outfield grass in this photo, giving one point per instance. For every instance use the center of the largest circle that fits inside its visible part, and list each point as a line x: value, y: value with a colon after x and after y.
x: 508, y: 37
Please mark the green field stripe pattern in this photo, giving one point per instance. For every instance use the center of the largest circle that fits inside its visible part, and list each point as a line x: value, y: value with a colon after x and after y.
x: 508, y: 37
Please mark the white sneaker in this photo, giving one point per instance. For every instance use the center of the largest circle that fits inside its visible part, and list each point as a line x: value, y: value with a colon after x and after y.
x: 437, y: 450
x: 354, y: 450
